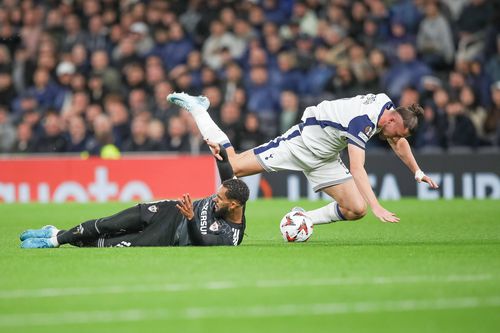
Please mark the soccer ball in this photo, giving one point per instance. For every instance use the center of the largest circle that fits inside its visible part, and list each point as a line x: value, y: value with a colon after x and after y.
x: 295, y: 226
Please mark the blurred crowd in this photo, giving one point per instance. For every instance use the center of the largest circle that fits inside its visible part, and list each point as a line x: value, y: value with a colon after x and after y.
x: 87, y: 75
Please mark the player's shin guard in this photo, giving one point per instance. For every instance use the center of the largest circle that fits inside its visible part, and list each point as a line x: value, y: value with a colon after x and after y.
x: 208, y: 128
x: 326, y: 214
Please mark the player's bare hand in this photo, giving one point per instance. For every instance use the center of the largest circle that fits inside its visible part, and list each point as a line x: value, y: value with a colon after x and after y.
x: 428, y: 180
x: 214, y: 148
x: 185, y: 205
x: 384, y: 215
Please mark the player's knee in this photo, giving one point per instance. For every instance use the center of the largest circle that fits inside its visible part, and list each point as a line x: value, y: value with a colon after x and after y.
x: 356, y: 211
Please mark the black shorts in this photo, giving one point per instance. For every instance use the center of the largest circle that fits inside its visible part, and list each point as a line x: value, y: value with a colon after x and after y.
x: 161, y: 219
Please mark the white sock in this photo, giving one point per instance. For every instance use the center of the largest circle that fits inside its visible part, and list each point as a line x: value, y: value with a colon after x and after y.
x: 54, y: 241
x: 326, y: 214
x: 208, y: 128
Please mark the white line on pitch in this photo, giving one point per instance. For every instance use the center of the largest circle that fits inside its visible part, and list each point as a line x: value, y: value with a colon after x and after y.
x: 125, y: 289
x: 258, y: 311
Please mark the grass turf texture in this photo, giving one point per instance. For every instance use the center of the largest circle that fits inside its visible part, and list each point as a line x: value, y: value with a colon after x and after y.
x: 438, y: 270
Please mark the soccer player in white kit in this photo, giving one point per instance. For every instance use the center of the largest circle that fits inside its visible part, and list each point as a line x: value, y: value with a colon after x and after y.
x: 314, y: 147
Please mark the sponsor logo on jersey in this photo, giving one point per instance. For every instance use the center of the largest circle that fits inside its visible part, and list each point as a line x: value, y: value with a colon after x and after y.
x: 153, y: 208
x: 203, y: 218
x: 214, y: 227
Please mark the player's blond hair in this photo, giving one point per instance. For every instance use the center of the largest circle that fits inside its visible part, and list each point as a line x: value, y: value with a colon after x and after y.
x: 410, y: 115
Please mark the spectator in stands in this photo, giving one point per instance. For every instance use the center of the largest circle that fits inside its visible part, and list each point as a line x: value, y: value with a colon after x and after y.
x: 46, y: 92
x: 430, y: 132
x: 407, y: 72
x: 91, y: 113
x: 360, y: 67
x: 156, y: 135
x: 102, y: 143
x: 435, y: 39
x: 7, y: 131
x: 263, y: 99
x: 119, y: 116
x: 343, y: 84
x: 135, y: 77
x: 459, y: 129
x: 230, y: 120
x: 138, y: 102
x: 79, y: 57
x: 142, y: 41
x: 456, y: 81
x: 97, y: 38
x: 52, y: 140
x: 493, y: 64
x: 290, y: 110
x: 177, y: 136
x: 177, y: 48
x: 476, y: 113
x: 379, y: 63
x: 289, y: 76
x: 139, y: 140
x: 25, y: 142
x: 154, y: 72
x: 318, y: 75
x: 492, y: 122
x: 110, y: 76
x: 214, y: 94
x: 74, y: 34
x: 398, y: 35
x: 219, y: 40
x: 251, y: 136
x: 7, y: 90
x: 77, y: 135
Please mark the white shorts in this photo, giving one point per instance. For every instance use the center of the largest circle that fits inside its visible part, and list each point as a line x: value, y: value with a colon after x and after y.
x: 288, y: 152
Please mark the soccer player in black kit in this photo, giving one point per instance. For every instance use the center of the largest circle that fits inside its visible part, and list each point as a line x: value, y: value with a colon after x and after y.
x: 215, y: 220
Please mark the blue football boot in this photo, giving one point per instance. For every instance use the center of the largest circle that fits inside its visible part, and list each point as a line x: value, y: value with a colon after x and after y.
x: 45, y: 232
x: 37, y: 243
x: 188, y: 102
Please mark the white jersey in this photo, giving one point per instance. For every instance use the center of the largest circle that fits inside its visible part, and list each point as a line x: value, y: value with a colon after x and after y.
x: 328, y: 127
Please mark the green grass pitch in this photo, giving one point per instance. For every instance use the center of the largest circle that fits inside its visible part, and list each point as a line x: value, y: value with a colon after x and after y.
x: 438, y: 270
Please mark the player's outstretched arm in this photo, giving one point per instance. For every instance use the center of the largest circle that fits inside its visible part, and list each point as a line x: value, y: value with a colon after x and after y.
x: 357, y: 168
x: 403, y: 150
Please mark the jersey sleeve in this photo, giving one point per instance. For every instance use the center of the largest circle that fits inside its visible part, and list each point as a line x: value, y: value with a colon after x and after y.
x: 358, y: 131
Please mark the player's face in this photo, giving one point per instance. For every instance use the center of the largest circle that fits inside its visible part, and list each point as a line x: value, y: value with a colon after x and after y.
x: 222, y: 203
x: 394, y: 128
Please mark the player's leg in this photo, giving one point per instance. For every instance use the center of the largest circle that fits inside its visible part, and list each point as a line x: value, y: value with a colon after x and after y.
x: 348, y: 204
x: 126, y: 221
x: 198, y: 107
x: 334, y: 179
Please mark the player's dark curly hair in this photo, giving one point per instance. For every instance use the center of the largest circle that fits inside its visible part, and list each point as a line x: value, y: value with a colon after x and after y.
x: 236, y: 190
x: 410, y: 115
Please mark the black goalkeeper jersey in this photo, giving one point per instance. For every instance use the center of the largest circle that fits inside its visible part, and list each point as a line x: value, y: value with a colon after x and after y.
x: 204, y: 229
x: 168, y: 227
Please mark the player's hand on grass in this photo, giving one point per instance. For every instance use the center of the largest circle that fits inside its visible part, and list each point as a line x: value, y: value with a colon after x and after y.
x: 384, y: 215
x: 185, y: 205
x: 428, y: 180
x: 214, y: 148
